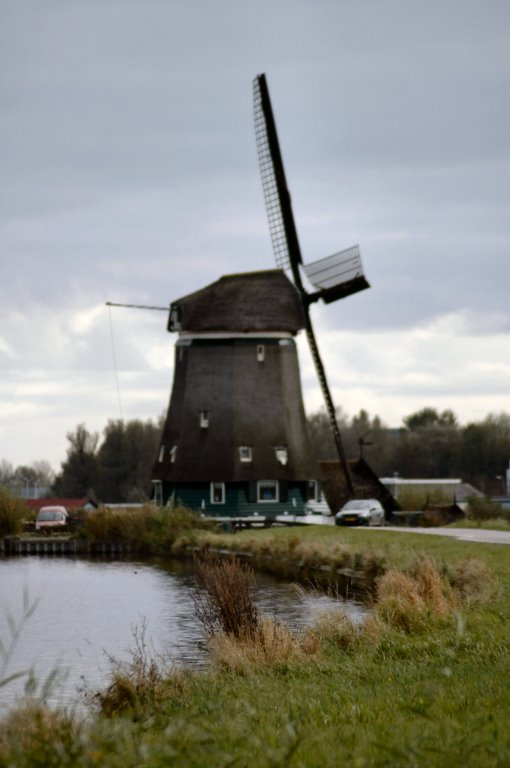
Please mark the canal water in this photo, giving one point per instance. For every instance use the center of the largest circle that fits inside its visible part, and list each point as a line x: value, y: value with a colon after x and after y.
x: 88, y: 611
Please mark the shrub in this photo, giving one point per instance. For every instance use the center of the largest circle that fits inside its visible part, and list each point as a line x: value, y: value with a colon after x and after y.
x: 486, y: 509
x: 148, y: 529
x: 223, y: 597
x: 12, y: 513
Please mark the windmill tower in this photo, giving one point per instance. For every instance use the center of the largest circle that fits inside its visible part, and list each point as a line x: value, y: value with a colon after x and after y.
x: 235, y: 440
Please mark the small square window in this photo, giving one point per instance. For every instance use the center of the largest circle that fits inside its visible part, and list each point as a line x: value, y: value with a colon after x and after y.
x: 282, y: 455
x: 217, y: 493
x: 204, y: 419
x: 267, y: 491
x: 261, y: 353
x: 173, y: 454
x: 161, y: 454
x: 245, y: 453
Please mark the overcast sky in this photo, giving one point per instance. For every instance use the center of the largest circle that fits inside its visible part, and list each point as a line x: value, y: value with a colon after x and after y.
x: 129, y: 174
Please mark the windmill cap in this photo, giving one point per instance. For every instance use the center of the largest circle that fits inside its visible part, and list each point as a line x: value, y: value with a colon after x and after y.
x: 249, y: 301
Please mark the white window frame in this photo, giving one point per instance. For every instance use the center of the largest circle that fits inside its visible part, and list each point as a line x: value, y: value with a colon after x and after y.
x: 261, y: 353
x: 173, y: 454
x: 204, y: 419
x: 282, y: 454
x: 157, y: 486
x: 245, y: 454
x: 317, y: 491
x: 223, y: 494
x: 175, y: 319
x: 261, y: 484
x: 161, y: 454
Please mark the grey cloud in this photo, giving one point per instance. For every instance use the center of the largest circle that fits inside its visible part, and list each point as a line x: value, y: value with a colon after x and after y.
x: 129, y: 168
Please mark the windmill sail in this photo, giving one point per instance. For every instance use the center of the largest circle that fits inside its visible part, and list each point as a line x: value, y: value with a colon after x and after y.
x: 334, y: 277
x: 282, y: 228
x: 337, y: 276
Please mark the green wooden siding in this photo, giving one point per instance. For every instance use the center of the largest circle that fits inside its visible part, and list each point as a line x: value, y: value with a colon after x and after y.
x: 237, y: 504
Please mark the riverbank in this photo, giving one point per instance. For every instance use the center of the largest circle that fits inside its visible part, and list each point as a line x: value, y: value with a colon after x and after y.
x: 429, y: 693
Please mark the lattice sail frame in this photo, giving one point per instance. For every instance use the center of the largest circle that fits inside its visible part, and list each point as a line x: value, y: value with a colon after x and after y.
x: 333, y: 277
x: 271, y: 183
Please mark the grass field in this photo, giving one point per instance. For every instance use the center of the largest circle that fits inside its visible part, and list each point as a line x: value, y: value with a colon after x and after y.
x: 395, y: 694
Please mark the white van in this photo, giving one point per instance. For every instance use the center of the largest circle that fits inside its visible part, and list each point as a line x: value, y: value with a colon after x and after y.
x: 51, y: 517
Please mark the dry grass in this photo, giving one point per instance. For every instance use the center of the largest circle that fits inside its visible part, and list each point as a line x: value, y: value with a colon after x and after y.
x: 432, y: 587
x: 140, y: 684
x: 473, y: 581
x: 276, y: 554
x: 273, y: 644
x: 337, y: 629
x: 224, y: 599
x: 415, y: 600
x: 34, y: 728
x: 238, y: 639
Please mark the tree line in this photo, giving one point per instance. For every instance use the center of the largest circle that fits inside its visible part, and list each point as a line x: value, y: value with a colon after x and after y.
x: 117, y: 466
x: 428, y: 444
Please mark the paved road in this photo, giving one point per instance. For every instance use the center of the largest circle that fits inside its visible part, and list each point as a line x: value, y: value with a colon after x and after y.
x: 463, y: 534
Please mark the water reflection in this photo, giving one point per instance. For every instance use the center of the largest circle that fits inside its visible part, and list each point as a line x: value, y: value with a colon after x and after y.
x: 88, y: 610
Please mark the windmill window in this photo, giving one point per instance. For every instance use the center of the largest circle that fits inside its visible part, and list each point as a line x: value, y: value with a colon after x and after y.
x: 217, y: 493
x: 161, y: 453
x: 313, y: 491
x: 261, y: 353
x: 173, y: 454
x: 204, y: 419
x: 267, y: 491
x: 282, y: 454
x: 245, y: 453
x: 175, y: 320
x: 157, y: 492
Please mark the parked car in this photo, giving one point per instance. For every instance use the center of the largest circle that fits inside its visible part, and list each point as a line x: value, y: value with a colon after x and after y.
x: 51, y: 517
x: 361, y: 512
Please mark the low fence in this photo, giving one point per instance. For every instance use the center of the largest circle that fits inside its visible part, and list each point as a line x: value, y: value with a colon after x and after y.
x: 48, y: 545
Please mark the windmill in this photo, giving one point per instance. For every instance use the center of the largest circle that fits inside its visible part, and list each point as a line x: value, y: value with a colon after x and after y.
x: 235, y: 441
x: 334, y: 277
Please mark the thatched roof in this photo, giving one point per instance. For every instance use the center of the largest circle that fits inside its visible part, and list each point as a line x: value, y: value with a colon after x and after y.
x: 251, y: 301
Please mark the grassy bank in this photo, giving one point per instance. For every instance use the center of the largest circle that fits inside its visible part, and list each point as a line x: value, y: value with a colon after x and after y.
x: 430, y: 692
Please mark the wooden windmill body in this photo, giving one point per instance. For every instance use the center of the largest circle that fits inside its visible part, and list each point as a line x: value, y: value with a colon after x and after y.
x: 235, y: 440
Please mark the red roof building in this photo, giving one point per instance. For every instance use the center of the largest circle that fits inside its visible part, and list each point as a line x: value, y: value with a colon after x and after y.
x: 69, y: 504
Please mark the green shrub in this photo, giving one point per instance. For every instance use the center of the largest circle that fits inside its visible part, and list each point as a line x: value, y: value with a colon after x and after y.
x: 486, y: 509
x: 12, y: 513
x: 147, y: 529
